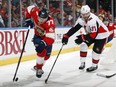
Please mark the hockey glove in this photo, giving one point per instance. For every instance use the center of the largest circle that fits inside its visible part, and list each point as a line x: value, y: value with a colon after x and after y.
x: 65, y: 39
x: 28, y: 23
x: 80, y: 39
x: 83, y: 38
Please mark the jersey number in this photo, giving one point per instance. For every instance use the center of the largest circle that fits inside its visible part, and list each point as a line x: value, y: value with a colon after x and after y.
x: 93, y: 29
x: 50, y: 22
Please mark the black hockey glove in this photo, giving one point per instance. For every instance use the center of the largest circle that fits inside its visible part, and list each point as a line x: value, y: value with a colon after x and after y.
x: 78, y: 40
x: 65, y: 39
x: 82, y: 38
x: 28, y: 23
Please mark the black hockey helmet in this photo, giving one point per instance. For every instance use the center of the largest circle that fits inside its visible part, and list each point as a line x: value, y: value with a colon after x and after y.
x: 43, y: 13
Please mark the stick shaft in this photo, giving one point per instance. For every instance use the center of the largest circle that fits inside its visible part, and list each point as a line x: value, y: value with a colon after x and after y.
x: 21, y: 55
x: 53, y: 64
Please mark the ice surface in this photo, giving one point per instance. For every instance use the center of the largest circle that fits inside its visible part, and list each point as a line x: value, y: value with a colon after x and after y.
x: 65, y: 74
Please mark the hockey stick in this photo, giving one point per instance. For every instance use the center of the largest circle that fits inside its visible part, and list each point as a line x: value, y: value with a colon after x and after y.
x: 106, y: 76
x: 54, y: 64
x: 16, y: 78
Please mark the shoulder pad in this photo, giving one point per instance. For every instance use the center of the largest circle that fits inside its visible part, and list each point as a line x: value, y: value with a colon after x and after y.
x: 30, y: 8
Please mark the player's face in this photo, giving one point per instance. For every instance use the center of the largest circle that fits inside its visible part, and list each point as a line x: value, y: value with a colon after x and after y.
x: 42, y: 20
x: 85, y: 16
x: 101, y: 18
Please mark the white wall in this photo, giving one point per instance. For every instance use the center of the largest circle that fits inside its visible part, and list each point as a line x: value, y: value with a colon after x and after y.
x: 11, y: 42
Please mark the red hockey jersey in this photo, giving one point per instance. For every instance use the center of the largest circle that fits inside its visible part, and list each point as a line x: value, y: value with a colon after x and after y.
x: 46, y: 30
x: 111, y: 29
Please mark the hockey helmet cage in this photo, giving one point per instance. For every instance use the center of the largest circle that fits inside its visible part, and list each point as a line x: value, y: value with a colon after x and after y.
x: 43, y: 13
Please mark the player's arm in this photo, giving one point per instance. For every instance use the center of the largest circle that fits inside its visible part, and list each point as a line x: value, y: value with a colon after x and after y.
x: 90, y: 36
x: 70, y: 33
x: 28, y: 21
x: 73, y: 30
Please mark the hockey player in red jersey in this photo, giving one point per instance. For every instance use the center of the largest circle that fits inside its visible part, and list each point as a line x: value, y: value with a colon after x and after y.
x: 115, y: 23
x: 96, y: 33
x: 44, y: 29
x: 111, y: 28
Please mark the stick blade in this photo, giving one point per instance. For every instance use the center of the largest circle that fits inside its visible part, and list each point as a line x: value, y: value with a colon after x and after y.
x: 107, y: 74
x: 13, y: 79
x: 46, y: 81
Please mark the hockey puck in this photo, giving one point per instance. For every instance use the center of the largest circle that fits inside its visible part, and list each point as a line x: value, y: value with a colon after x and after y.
x: 16, y: 79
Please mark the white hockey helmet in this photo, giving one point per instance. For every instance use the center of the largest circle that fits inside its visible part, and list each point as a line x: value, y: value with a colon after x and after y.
x: 85, y: 9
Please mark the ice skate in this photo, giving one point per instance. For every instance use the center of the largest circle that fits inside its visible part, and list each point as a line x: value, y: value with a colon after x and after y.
x: 82, y: 66
x: 92, y: 68
x: 39, y: 73
x: 34, y: 67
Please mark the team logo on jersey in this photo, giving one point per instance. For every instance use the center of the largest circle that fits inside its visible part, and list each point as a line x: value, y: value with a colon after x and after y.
x: 40, y: 31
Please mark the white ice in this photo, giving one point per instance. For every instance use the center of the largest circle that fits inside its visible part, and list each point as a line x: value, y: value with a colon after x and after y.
x: 64, y: 74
